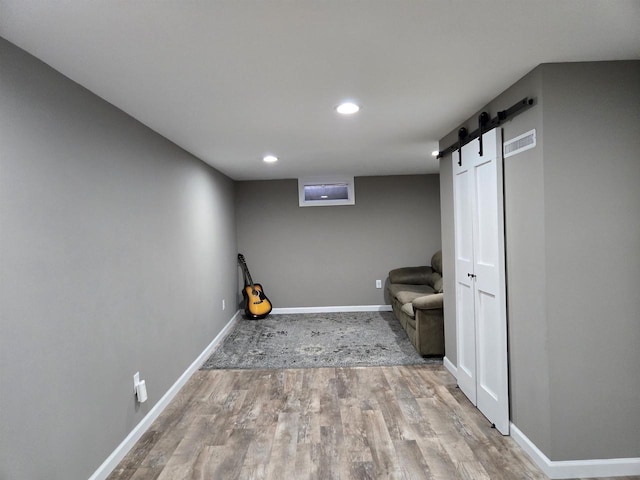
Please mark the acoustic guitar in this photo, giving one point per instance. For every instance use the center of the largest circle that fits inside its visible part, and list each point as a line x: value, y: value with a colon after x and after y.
x: 256, y: 303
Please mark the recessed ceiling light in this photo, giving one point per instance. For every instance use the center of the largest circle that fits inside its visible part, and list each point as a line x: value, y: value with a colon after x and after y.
x: 270, y: 158
x: 435, y: 153
x: 347, y: 108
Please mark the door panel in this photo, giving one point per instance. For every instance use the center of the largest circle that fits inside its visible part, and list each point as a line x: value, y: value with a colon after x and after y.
x: 491, y: 343
x: 463, y: 219
x: 466, y: 341
x: 487, y: 319
x: 480, y: 278
x: 465, y: 317
x: 486, y: 247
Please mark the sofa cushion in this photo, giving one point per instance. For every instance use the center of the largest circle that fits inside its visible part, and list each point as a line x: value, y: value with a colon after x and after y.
x: 438, y: 285
x: 428, y: 302
x: 435, y: 281
x: 410, y: 275
x: 436, y: 262
x: 406, y: 293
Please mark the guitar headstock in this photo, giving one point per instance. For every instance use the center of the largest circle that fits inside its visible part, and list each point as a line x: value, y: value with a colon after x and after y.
x: 241, y: 258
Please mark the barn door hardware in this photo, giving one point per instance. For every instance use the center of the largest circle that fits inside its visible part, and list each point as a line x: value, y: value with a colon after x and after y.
x: 462, y: 134
x: 486, y: 125
x: 483, y: 121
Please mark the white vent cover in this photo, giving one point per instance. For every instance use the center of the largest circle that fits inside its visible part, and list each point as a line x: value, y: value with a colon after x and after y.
x: 520, y: 143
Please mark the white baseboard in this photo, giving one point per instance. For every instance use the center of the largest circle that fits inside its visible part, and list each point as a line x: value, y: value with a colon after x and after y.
x: 615, y: 467
x: 127, y: 444
x: 348, y: 308
x: 453, y: 370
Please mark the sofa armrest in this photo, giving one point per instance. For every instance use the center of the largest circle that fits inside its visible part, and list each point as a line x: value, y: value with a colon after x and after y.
x: 410, y: 275
x: 428, y: 302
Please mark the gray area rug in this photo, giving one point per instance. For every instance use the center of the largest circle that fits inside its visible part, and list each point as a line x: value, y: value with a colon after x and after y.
x: 352, y: 339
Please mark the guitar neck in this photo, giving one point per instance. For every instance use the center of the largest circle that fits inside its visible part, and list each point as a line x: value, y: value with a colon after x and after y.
x: 245, y: 270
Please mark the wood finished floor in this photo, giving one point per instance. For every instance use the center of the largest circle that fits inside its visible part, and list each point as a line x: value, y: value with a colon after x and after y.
x: 326, y: 423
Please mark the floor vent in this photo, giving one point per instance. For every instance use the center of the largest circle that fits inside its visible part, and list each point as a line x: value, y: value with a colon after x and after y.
x: 520, y: 143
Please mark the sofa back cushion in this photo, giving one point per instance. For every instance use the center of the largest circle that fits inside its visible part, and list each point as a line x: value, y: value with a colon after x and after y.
x: 410, y: 275
x: 436, y: 262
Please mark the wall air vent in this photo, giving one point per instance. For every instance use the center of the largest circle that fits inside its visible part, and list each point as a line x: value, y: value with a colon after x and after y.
x: 520, y: 143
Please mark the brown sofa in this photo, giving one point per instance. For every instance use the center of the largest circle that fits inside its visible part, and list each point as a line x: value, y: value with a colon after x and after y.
x: 416, y: 298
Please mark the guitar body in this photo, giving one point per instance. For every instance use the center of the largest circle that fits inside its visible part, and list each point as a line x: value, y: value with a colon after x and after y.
x: 256, y: 303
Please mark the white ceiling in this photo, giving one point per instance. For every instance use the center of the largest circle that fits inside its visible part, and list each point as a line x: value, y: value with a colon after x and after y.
x: 232, y: 80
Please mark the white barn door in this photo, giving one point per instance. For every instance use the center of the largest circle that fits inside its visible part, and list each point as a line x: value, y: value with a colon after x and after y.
x: 463, y: 194
x: 481, y: 321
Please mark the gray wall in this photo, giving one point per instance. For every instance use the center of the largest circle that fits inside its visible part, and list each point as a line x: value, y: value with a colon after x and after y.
x: 117, y: 248
x: 592, y: 211
x: 571, y: 215
x: 325, y: 256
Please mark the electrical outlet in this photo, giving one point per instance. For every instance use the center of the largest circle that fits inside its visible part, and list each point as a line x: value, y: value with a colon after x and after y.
x: 378, y: 283
x: 223, y: 305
